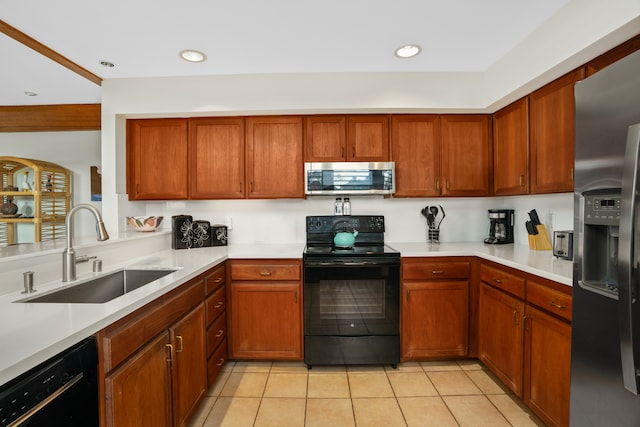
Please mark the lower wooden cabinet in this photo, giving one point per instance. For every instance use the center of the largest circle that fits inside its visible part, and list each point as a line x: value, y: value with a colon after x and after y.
x: 525, y: 338
x: 266, y: 310
x: 216, y: 321
x: 148, y: 371
x: 435, y: 308
x: 153, y: 362
x: 500, y: 335
x: 547, y: 366
x: 189, y: 364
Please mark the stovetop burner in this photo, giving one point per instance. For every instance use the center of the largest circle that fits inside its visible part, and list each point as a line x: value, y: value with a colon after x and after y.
x: 369, y: 241
x: 356, y: 250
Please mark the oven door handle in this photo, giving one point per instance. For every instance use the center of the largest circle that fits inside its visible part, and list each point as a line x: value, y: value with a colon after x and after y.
x: 347, y: 263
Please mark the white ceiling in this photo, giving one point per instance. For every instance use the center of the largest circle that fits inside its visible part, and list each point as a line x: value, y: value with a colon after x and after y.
x: 143, y: 37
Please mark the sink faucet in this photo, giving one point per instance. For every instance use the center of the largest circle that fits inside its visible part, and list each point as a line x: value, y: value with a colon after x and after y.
x: 69, y: 255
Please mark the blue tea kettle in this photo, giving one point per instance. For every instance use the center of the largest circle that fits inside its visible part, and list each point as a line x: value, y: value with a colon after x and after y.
x: 344, y: 239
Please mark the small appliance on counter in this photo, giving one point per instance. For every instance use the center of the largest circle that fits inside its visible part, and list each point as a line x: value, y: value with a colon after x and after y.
x: 563, y: 244
x: 500, y: 226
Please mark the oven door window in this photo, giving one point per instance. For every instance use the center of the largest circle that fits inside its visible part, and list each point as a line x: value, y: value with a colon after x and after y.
x: 351, y: 301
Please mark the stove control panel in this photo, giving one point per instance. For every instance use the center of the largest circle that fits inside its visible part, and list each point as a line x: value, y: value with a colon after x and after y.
x: 329, y: 224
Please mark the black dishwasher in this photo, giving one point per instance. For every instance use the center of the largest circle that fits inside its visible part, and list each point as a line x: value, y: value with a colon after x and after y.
x: 63, y: 391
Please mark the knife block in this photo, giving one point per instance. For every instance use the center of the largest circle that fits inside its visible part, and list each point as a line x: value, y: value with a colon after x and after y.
x: 540, y: 241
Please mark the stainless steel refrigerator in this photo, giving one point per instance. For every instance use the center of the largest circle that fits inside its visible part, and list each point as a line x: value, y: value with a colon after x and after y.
x: 605, y: 352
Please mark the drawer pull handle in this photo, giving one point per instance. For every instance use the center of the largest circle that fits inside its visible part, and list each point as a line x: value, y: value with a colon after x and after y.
x: 265, y: 273
x: 169, y: 349
x: 179, y: 349
x: 221, y: 362
x: 220, y: 333
x: 437, y: 271
x: 558, y: 306
x: 218, y: 279
x: 219, y: 304
x: 515, y: 317
x: 495, y: 279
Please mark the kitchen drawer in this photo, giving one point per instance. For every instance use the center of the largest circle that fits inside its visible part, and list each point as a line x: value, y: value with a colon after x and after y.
x: 215, y: 362
x: 267, y: 271
x: 502, y: 280
x: 435, y: 270
x: 550, y: 300
x: 214, y: 280
x: 216, y: 304
x: 216, y: 334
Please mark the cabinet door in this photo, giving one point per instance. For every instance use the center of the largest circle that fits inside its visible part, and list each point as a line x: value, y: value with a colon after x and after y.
x: 551, y: 121
x: 500, y: 335
x: 325, y: 138
x: 157, y: 159
x: 368, y: 138
x: 466, y: 155
x: 216, y: 158
x: 140, y: 390
x: 415, y: 149
x: 188, y: 337
x: 274, y: 157
x: 511, y: 149
x: 435, y: 319
x: 547, y: 364
x: 266, y: 321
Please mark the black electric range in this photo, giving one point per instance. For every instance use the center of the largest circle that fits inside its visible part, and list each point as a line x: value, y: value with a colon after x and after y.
x: 351, y: 295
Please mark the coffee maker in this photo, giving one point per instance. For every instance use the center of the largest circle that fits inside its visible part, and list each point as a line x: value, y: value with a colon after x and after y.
x: 500, y: 226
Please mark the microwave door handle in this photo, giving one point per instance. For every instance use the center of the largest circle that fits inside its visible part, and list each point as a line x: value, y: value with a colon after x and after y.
x: 627, y: 259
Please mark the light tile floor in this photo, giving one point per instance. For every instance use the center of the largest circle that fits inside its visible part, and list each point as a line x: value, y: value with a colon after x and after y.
x: 442, y: 394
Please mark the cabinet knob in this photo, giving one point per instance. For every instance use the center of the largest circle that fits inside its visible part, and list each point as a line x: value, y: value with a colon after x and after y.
x: 218, y: 305
x: 220, y: 333
x: 495, y: 279
x: 220, y: 362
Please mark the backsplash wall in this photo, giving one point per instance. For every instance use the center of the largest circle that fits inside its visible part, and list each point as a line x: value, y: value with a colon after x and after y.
x: 283, y: 221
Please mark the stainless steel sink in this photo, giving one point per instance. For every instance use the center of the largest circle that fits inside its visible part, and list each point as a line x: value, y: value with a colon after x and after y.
x: 103, y: 288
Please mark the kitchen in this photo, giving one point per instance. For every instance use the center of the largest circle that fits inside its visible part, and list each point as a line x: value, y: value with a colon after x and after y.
x: 282, y: 221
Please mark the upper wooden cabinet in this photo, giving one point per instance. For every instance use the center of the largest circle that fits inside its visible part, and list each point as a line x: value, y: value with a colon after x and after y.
x: 274, y: 158
x: 216, y: 158
x: 157, y: 163
x: 551, y: 120
x: 368, y: 138
x: 466, y: 155
x: 441, y: 155
x: 336, y: 138
x: 325, y: 139
x: 613, y: 55
x: 511, y: 149
x: 415, y: 148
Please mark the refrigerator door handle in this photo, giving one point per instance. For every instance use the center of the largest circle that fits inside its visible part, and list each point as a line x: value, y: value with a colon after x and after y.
x: 627, y: 261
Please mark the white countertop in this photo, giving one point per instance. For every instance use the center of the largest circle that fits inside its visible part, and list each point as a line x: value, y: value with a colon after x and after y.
x: 33, y: 332
x: 540, y: 263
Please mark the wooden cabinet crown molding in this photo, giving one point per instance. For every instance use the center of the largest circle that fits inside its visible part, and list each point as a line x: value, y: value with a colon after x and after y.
x: 50, y: 118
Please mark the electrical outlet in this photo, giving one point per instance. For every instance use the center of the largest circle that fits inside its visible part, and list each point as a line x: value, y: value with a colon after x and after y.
x: 228, y: 221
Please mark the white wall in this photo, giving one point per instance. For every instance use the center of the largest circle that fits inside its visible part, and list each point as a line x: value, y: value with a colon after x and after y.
x: 283, y: 221
x: 76, y: 151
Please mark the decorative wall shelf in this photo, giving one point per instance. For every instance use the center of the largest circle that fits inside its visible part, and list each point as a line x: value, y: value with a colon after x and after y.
x: 45, y: 200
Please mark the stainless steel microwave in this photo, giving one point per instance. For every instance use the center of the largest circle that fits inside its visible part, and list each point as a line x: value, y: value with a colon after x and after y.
x: 350, y: 178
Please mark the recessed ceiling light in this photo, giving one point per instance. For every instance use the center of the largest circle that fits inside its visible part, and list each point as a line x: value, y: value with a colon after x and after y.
x: 193, y: 55
x: 107, y: 64
x: 408, y: 51
x: 30, y: 93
